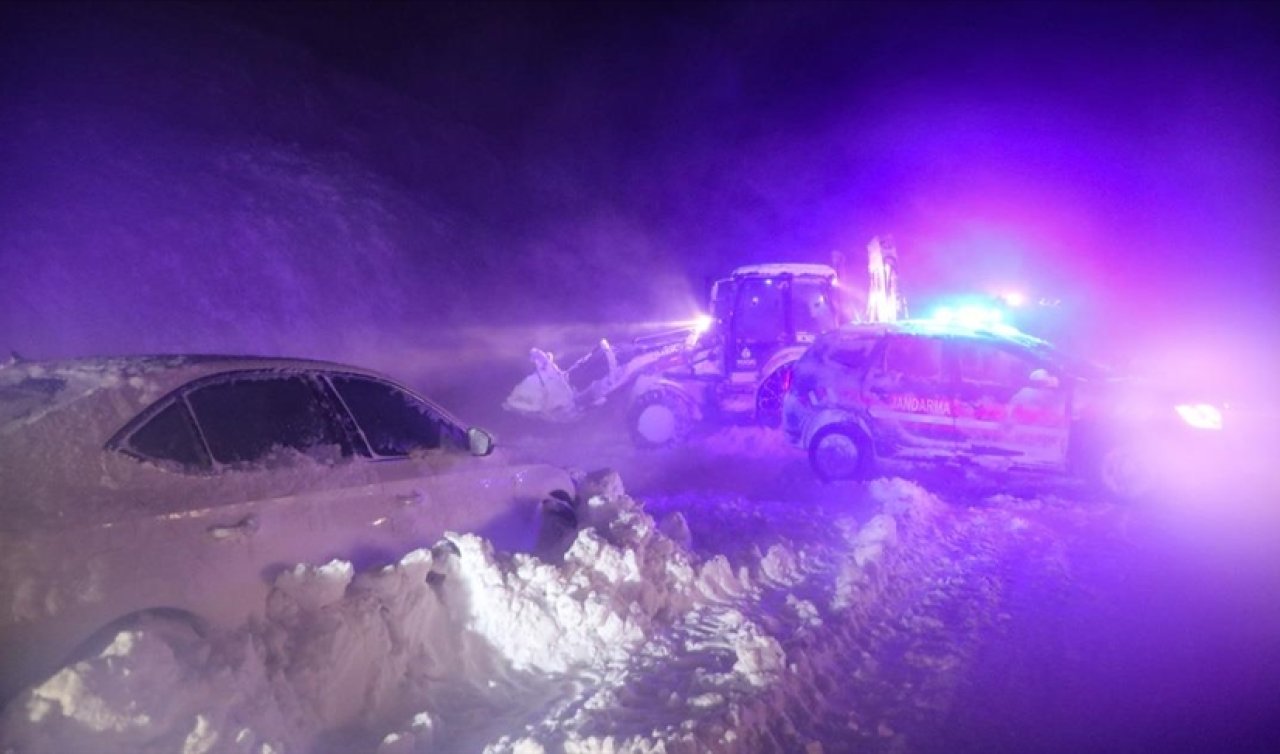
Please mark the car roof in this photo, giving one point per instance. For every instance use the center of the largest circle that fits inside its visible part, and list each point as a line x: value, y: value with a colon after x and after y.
x: 56, y: 418
x: 30, y: 390
x: 933, y: 328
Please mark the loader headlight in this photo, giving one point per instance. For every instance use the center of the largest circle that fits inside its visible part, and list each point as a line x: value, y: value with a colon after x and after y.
x: 698, y: 325
x: 1200, y: 415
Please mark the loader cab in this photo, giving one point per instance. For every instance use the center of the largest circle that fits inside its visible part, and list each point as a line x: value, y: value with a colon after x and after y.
x: 759, y: 310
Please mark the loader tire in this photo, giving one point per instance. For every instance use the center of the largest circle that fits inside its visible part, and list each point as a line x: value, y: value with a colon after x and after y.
x: 770, y: 394
x: 660, y: 419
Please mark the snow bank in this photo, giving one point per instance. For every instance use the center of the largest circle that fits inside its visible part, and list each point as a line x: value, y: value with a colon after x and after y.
x: 633, y: 643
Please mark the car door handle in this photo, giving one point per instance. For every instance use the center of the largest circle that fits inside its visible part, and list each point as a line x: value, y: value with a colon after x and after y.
x: 242, y: 528
x: 410, y: 498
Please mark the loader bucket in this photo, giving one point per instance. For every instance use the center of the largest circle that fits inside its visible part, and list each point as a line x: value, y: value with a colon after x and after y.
x: 545, y: 394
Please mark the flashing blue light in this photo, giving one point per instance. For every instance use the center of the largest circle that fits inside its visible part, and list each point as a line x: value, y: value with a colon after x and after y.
x: 970, y: 315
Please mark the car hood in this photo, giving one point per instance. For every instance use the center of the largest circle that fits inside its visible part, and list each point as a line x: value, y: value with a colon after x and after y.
x: 1131, y: 399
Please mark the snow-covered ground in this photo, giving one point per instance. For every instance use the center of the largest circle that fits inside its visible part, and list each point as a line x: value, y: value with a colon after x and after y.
x: 727, y: 603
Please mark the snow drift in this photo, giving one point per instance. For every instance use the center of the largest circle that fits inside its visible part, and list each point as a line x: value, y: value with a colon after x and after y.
x: 635, y: 641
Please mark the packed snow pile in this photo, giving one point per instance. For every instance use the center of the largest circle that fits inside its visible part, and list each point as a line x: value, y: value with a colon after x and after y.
x: 633, y: 642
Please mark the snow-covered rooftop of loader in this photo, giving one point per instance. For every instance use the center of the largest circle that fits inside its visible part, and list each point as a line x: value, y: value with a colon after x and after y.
x: 775, y: 270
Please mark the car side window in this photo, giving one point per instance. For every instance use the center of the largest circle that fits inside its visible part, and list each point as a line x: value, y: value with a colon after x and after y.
x: 170, y: 437
x: 915, y: 358
x: 394, y: 422
x: 247, y: 418
x: 988, y: 364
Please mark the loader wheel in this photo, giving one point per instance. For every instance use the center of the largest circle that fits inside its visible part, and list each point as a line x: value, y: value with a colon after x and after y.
x: 770, y: 394
x: 841, y: 452
x: 660, y: 419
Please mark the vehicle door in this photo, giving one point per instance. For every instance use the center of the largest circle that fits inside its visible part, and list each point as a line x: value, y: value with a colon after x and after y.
x: 908, y: 391
x: 1008, y: 405
x: 249, y: 474
x: 423, y: 461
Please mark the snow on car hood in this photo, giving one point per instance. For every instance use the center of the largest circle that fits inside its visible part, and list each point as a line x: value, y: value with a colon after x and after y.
x: 1129, y: 400
x: 633, y: 642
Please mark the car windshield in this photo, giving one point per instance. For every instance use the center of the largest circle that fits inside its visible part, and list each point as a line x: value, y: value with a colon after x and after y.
x: 1070, y: 363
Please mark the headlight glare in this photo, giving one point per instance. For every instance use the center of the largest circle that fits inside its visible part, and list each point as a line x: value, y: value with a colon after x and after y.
x: 1200, y: 415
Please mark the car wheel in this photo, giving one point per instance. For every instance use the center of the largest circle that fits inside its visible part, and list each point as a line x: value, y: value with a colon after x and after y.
x: 660, y: 419
x: 841, y: 452
x: 558, y: 526
x: 1123, y: 473
x: 769, y: 396
x: 177, y: 628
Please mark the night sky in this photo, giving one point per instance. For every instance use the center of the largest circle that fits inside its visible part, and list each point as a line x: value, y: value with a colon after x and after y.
x: 305, y: 176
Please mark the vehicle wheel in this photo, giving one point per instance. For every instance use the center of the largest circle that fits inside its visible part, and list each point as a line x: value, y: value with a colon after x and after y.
x: 769, y: 396
x: 839, y: 452
x: 558, y: 526
x: 558, y: 506
x: 1123, y: 473
x: 660, y: 419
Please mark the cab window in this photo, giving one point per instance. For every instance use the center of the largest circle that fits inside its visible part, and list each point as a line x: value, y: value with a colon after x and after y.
x: 722, y: 293
x: 812, y: 311
x: 760, y: 316
x: 394, y: 422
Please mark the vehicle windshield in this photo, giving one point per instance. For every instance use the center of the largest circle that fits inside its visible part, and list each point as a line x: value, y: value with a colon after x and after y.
x: 1070, y: 363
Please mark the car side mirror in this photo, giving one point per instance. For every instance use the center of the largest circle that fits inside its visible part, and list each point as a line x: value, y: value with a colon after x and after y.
x: 480, y: 441
x: 1042, y: 378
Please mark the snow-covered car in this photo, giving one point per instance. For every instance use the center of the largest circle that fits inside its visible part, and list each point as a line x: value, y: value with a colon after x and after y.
x: 923, y: 390
x: 178, y: 488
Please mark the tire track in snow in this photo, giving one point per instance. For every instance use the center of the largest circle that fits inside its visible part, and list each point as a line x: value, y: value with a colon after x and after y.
x: 855, y: 648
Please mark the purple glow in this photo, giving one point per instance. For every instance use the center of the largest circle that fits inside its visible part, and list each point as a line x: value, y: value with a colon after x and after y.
x: 433, y: 189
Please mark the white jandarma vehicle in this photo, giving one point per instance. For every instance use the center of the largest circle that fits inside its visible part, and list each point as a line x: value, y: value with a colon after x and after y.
x: 991, y: 396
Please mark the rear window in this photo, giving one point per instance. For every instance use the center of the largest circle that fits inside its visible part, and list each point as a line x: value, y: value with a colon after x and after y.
x: 27, y: 396
x: 851, y: 354
x: 170, y: 436
x: 844, y: 349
